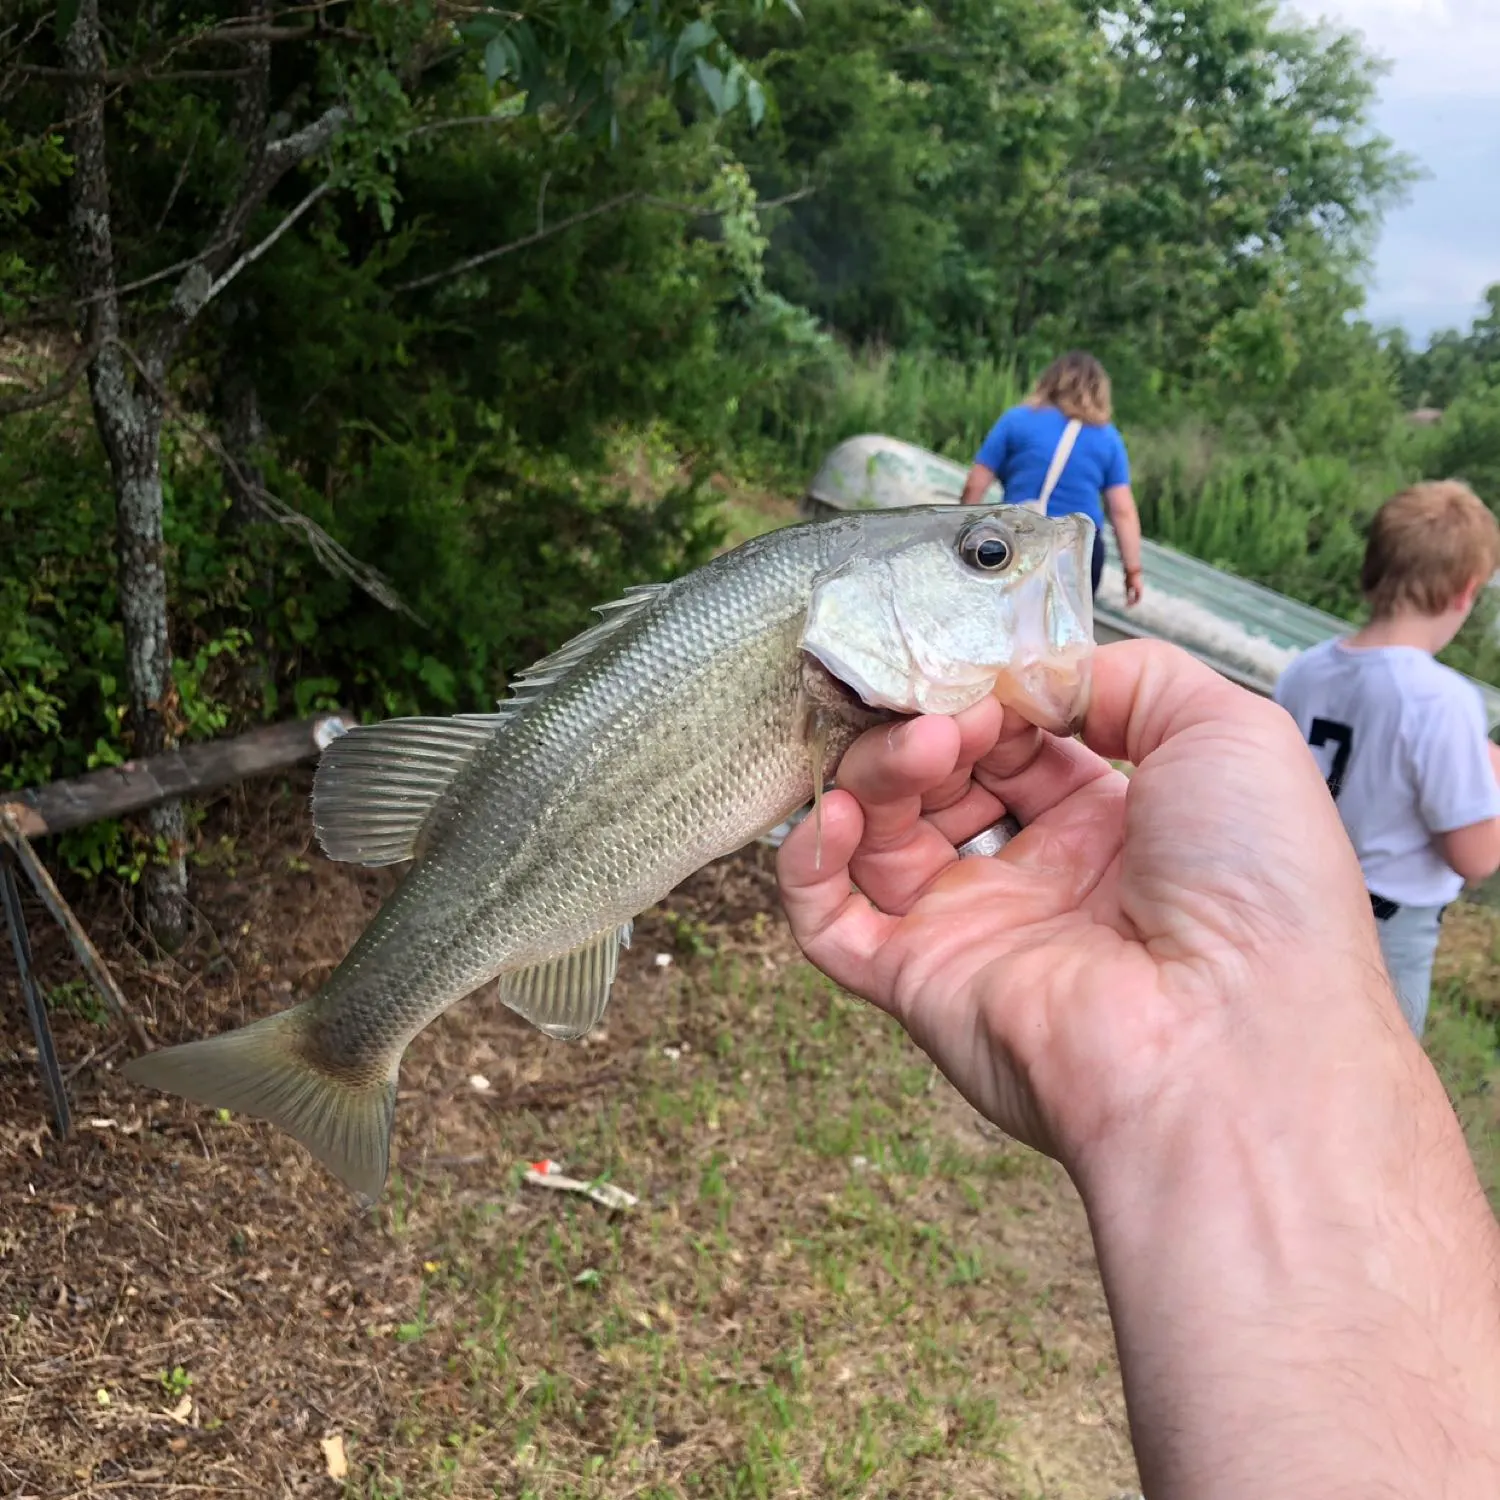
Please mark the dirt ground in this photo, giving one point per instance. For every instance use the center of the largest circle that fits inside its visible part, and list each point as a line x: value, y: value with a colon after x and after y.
x: 837, y: 1281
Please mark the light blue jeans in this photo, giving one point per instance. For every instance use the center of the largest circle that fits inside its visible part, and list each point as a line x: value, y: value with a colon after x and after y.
x: 1408, y: 941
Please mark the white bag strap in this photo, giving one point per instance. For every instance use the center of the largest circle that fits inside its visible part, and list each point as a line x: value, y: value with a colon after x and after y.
x: 1060, y: 457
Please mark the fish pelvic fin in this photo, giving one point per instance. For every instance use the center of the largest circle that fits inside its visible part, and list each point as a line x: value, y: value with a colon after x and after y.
x: 565, y: 997
x: 265, y: 1070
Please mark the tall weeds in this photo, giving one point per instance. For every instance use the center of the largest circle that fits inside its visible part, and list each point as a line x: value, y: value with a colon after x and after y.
x: 1249, y: 502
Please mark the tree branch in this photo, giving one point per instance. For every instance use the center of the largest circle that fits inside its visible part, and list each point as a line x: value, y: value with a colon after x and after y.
x: 140, y: 74
x: 234, y: 34
x: 181, y: 178
x: 202, y: 279
x: 484, y: 257
x: 286, y: 152
x: 781, y: 202
x: 54, y: 390
x: 255, y: 252
x: 499, y: 117
x: 332, y: 554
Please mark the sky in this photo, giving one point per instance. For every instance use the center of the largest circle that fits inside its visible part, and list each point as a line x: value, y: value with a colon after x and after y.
x: 1440, y: 102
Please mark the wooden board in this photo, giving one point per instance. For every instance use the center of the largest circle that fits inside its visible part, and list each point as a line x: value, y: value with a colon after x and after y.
x: 190, y: 771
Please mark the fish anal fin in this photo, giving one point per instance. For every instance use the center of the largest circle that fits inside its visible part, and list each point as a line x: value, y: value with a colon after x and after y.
x: 565, y: 997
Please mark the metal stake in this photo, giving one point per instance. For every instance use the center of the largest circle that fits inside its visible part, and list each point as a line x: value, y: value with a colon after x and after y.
x: 36, y: 1008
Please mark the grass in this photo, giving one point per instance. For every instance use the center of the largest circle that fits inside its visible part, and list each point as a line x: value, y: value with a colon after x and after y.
x: 827, y: 1289
x: 817, y: 1297
x: 942, y: 404
x: 1463, y: 1035
x: 838, y: 1280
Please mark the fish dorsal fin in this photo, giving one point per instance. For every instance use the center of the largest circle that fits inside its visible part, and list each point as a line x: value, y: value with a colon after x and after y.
x: 377, y: 785
x: 566, y: 996
x: 542, y: 676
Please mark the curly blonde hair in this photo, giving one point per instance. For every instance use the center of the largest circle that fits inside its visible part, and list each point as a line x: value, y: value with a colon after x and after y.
x: 1077, y: 385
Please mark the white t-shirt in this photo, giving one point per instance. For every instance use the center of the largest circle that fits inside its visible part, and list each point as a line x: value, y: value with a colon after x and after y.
x: 1402, y: 741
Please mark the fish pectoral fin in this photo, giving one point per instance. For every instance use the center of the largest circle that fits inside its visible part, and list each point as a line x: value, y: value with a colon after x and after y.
x: 565, y: 997
x: 377, y: 785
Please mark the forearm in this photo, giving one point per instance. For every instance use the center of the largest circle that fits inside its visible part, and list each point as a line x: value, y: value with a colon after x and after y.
x: 1126, y: 520
x: 1293, y: 1310
x: 977, y: 485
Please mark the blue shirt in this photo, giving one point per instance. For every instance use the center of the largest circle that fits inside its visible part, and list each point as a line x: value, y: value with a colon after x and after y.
x: 1019, y: 451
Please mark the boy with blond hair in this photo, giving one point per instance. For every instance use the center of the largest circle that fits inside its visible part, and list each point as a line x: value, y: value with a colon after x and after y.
x: 1402, y: 739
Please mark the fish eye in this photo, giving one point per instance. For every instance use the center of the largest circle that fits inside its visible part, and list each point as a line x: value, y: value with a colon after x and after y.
x: 984, y: 547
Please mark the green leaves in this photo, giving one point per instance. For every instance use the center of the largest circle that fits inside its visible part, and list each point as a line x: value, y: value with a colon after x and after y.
x: 1001, y: 176
x: 691, y: 40
x: 576, y: 56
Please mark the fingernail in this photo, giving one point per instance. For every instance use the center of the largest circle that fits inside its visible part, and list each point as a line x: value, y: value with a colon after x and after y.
x: 896, y: 735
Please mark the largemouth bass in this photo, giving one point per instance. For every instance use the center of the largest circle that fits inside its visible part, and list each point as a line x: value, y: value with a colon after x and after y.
x: 697, y: 715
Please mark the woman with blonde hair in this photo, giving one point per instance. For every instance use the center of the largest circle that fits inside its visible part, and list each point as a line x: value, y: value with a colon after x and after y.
x: 1059, y: 453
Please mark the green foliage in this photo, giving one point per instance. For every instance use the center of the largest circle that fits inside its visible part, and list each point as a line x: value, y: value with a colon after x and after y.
x: 1453, y: 364
x: 823, y: 394
x: 542, y: 268
x: 60, y: 653
x: 1293, y: 523
x: 1466, y: 443
x: 501, y: 552
x: 995, y: 177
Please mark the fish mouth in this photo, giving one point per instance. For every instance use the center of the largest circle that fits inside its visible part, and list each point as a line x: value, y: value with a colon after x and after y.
x: 925, y: 638
x: 1050, y: 684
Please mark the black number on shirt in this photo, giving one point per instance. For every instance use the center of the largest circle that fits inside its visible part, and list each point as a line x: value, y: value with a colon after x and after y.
x: 1341, y: 737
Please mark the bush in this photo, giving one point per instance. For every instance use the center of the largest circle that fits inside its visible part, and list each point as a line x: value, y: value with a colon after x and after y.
x: 1466, y: 443
x: 501, y: 552
x: 829, y: 394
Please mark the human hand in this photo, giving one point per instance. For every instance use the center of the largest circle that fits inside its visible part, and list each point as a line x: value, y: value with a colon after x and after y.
x: 1173, y: 984
x: 1068, y: 983
x: 1135, y: 587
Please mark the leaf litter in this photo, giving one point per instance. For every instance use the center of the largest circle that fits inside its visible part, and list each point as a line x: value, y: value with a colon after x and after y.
x: 763, y: 1316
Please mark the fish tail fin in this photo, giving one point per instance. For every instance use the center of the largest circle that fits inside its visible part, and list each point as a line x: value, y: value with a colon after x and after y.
x: 266, y: 1070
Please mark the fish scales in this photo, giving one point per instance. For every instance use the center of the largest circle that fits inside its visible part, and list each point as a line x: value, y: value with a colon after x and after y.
x: 673, y: 742
x: 678, y: 729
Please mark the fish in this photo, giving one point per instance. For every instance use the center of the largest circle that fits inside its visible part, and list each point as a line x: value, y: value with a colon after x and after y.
x: 695, y: 716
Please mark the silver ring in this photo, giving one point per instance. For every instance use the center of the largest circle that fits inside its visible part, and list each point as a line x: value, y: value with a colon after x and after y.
x: 990, y: 840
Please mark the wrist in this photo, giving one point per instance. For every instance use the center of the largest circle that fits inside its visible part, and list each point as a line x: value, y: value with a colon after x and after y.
x: 1262, y: 1229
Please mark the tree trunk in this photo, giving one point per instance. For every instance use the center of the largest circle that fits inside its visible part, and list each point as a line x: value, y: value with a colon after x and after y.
x: 128, y: 415
x: 128, y: 388
x: 148, y: 662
